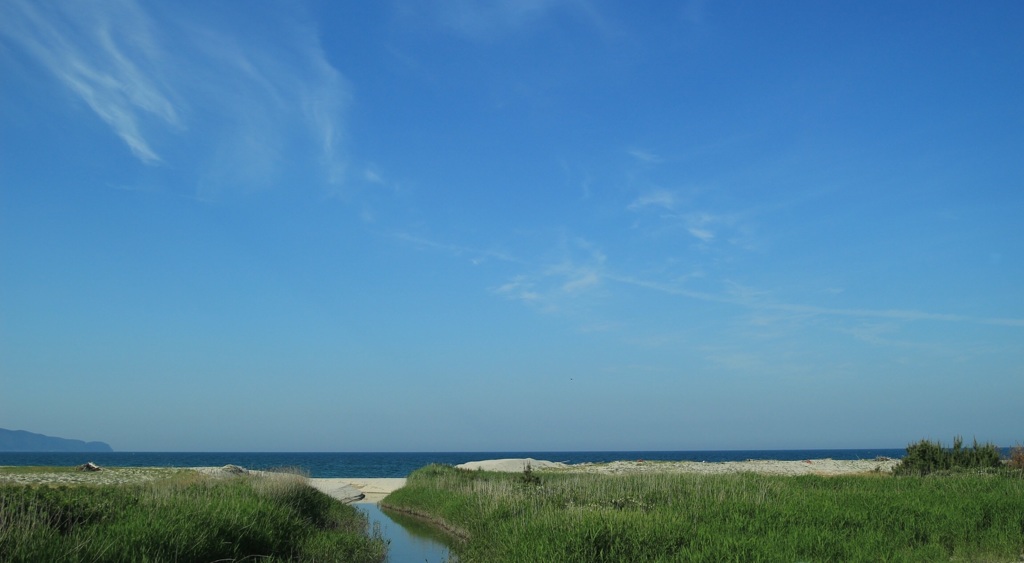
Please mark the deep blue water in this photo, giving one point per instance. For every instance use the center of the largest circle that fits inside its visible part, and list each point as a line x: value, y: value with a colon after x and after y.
x: 400, y: 464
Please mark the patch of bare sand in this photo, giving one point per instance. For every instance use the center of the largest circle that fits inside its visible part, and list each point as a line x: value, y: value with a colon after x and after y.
x: 763, y: 466
x: 355, y: 489
x: 345, y: 489
x: 512, y: 465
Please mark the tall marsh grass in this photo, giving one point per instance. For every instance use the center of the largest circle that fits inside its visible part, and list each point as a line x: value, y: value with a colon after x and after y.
x: 713, y: 518
x: 190, y: 518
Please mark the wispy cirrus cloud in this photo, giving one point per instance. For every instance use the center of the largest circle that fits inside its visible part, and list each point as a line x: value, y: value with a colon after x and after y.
x: 185, y: 90
x: 475, y: 255
x: 573, y: 270
x: 479, y: 18
x: 893, y: 314
x: 484, y: 20
x: 670, y: 210
x: 552, y: 285
x: 107, y: 64
x: 699, y: 224
x: 665, y: 199
x: 519, y: 288
x: 582, y: 268
x: 760, y: 300
x: 645, y: 156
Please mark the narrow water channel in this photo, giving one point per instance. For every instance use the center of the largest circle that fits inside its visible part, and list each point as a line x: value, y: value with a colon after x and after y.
x: 412, y: 541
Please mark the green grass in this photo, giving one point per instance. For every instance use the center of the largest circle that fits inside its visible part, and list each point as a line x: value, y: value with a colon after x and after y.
x: 188, y: 518
x: 713, y: 518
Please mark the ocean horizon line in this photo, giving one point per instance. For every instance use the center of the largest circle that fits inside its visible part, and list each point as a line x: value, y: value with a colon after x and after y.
x: 582, y: 451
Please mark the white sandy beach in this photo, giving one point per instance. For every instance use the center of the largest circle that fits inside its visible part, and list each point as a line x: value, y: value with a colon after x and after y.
x: 769, y: 467
x: 349, y: 489
x: 372, y: 490
x: 345, y: 489
x: 511, y: 465
x: 355, y: 490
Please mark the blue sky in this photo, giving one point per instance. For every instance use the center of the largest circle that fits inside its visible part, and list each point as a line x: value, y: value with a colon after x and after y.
x: 532, y: 225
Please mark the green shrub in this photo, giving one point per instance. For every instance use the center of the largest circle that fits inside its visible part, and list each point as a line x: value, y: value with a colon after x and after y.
x: 528, y: 477
x: 927, y: 457
x: 1017, y: 457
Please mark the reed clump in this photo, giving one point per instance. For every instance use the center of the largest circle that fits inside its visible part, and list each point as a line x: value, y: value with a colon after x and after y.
x: 927, y: 457
x: 566, y: 517
x: 188, y: 518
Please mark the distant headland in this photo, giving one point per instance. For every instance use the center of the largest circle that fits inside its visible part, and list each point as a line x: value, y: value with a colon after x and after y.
x: 22, y: 441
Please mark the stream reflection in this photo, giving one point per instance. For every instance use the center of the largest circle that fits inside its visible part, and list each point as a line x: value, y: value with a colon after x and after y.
x: 411, y: 540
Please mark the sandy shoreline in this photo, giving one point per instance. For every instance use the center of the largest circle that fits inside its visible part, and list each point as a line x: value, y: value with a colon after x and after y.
x: 347, y: 489
x: 375, y: 489
x: 372, y: 490
x: 763, y: 466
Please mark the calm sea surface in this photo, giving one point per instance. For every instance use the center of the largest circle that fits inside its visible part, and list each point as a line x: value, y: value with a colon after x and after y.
x: 354, y: 464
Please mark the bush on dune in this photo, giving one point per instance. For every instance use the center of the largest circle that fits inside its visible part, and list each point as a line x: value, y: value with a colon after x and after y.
x: 927, y: 457
x: 1017, y: 457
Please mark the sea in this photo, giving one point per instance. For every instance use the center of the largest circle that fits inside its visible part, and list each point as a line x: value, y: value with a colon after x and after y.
x: 401, y: 464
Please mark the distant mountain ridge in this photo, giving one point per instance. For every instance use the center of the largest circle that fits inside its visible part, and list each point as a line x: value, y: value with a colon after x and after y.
x: 23, y: 441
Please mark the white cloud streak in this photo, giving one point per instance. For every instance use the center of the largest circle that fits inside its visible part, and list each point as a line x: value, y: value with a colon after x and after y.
x: 893, y: 314
x: 584, y: 269
x: 188, y: 92
x: 519, y: 288
x: 101, y: 60
x: 645, y: 156
x: 702, y: 225
x: 476, y: 255
x: 655, y: 198
x: 481, y: 19
x: 698, y: 225
x: 745, y: 297
x: 554, y: 286
x: 484, y: 20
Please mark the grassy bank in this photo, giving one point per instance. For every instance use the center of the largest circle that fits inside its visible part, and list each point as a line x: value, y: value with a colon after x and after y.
x: 182, y: 517
x: 743, y: 517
